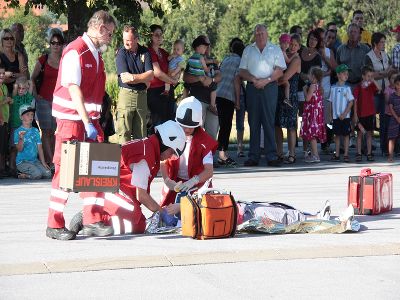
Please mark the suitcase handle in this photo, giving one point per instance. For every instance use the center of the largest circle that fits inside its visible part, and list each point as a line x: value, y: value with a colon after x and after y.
x: 365, y: 172
x: 213, y: 191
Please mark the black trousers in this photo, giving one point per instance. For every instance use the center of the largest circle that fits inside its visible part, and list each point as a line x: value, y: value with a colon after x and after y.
x: 160, y: 107
x: 225, y: 109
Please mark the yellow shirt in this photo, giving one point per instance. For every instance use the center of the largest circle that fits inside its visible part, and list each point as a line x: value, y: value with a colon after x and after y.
x: 365, y: 38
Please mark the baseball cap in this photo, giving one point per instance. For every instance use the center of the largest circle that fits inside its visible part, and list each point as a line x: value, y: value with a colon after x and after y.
x: 25, y: 109
x: 284, y: 38
x: 396, y: 29
x: 341, y: 68
x: 200, y: 40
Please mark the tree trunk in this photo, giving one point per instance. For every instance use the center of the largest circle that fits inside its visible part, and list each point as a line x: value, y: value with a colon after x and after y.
x: 78, y: 16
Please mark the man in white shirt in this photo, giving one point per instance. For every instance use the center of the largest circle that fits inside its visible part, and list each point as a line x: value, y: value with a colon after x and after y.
x: 261, y: 65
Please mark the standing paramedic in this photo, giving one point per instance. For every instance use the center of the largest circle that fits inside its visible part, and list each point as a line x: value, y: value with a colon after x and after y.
x: 78, y: 96
x: 195, y: 166
x: 140, y: 163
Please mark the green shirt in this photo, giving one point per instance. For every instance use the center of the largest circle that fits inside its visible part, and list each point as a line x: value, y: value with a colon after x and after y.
x: 18, y: 101
x: 5, y: 107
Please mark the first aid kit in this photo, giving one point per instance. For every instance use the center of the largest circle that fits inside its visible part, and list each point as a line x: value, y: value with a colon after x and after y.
x: 210, y: 215
x: 370, y: 193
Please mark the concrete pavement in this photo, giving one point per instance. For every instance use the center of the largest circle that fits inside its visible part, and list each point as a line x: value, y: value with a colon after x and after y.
x: 307, y: 266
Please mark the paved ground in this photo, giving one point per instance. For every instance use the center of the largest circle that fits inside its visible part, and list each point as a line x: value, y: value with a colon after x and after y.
x: 305, y: 266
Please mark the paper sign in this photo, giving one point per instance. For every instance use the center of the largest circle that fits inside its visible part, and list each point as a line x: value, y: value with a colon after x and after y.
x: 105, y: 168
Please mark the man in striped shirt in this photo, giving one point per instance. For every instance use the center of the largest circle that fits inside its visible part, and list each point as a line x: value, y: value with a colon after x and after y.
x: 396, y: 49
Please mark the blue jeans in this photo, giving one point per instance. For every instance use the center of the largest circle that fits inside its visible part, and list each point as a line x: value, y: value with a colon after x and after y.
x: 261, y: 108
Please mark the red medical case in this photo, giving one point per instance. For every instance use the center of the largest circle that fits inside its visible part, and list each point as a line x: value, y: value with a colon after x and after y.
x: 370, y: 193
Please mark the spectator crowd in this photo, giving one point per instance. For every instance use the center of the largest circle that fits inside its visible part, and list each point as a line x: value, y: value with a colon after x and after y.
x: 332, y: 92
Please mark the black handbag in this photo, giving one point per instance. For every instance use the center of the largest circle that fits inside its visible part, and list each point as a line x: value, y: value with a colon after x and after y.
x: 39, y: 78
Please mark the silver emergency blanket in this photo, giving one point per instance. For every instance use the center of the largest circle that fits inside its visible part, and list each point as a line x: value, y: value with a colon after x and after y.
x: 269, y: 219
x: 264, y: 218
x: 155, y: 225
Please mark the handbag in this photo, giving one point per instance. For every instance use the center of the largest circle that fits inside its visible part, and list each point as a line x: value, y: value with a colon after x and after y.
x: 39, y: 78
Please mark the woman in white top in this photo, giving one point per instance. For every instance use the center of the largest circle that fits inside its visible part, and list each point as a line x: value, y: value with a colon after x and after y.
x: 379, y: 61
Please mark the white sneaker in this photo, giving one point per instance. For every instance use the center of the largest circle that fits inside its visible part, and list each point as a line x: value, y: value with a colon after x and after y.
x: 325, y: 212
x: 312, y: 159
x: 347, y: 214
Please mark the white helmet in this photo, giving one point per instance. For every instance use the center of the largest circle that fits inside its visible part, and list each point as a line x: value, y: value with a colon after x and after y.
x: 172, y: 136
x: 189, y: 113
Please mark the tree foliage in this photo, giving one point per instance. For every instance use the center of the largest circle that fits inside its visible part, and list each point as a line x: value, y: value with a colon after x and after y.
x: 79, y: 11
x: 35, y: 33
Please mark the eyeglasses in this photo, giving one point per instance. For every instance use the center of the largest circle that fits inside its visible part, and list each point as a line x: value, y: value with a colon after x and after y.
x: 55, y: 43
x: 8, y: 38
x: 109, y: 31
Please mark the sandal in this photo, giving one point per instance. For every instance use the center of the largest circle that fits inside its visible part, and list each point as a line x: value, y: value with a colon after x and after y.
x: 280, y: 158
x: 370, y: 157
x: 240, y: 154
x: 390, y: 158
x: 229, y: 162
x: 346, y: 159
x: 335, y: 158
x: 291, y: 159
x: 358, y: 157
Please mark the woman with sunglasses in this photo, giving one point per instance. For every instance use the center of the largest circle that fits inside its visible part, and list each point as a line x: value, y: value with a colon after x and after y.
x: 44, y: 77
x: 13, y: 60
x: 161, y: 106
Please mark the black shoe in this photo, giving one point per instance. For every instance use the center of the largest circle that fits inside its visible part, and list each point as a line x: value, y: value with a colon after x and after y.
x: 274, y: 163
x: 97, y: 229
x: 76, y: 223
x: 62, y: 234
x: 250, y: 163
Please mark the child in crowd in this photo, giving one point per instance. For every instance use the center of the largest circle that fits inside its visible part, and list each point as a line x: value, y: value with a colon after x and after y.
x: 284, y: 41
x: 394, y: 122
x: 197, y: 66
x: 22, y: 95
x: 341, y: 99
x: 29, y: 146
x: 389, y: 90
x: 4, y: 116
x: 364, y: 111
x: 313, y: 125
x: 176, y: 63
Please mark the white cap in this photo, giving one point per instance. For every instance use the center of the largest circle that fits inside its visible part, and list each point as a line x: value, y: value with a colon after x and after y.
x: 172, y: 136
x: 189, y: 113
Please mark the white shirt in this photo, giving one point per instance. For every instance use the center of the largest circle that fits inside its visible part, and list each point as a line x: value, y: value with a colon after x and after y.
x: 140, y: 174
x: 184, y: 160
x: 340, y: 97
x: 71, y: 72
x: 262, y: 64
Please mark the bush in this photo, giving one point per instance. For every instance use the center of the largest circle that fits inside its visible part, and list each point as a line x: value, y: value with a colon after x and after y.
x: 112, y: 88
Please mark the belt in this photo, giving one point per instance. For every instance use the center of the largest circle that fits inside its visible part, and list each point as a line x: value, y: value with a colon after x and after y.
x: 132, y: 90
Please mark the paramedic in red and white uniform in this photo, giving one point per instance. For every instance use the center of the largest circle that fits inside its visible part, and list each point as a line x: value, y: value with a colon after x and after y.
x: 140, y: 163
x: 78, y: 96
x: 195, y: 166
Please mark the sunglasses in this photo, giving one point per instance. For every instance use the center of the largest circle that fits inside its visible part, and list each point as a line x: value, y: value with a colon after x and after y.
x: 55, y: 43
x: 8, y: 38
